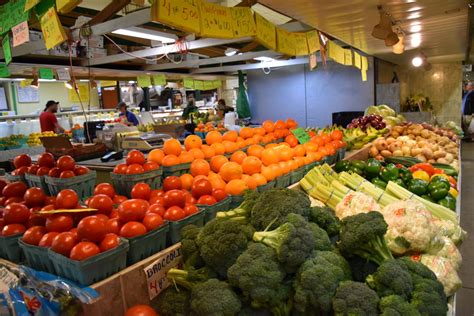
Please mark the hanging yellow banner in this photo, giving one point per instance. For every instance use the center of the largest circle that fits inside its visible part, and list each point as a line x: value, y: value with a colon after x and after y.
x: 301, y: 44
x: 53, y: 31
x: 357, y: 60
x: 29, y: 4
x: 216, y: 21
x: 364, y: 67
x: 285, y: 42
x: 336, y: 53
x: 348, y: 57
x: 65, y: 6
x: 312, y: 38
x: 243, y: 22
x: 266, y: 32
x: 217, y: 84
x: 208, y: 85
x: 83, y: 90
x: 198, y: 85
x: 182, y: 14
x: 188, y: 83
x: 159, y: 80
x: 108, y: 83
x: 144, y: 81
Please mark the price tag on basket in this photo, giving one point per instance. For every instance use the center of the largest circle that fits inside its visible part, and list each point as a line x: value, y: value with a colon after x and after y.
x: 301, y: 135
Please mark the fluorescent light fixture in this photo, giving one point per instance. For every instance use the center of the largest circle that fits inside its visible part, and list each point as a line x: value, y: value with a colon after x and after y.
x: 414, y: 9
x: 415, y: 28
x: 84, y: 80
x: 231, y: 51
x: 47, y: 80
x: 415, y: 40
x: 414, y: 15
x: 417, y: 61
x: 147, y: 34
x: 131, y: 81
x: 264, y: 59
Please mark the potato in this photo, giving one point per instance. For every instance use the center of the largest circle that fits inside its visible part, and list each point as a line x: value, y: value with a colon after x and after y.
x: 415, y: 152
x: 427, y: 153
x: 406, y: 150
x: 425, y: 133
x: 386, y: 153
x: 442, y: 160
x: 397, y: 152
x: 390, y: 140
x: 395, y: 147
x: 421, y: 158
x: 449, y: 157
x: 439, y: 154
x: 373, y: 152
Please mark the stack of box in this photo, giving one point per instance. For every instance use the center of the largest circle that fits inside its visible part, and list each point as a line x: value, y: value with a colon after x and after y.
x: 38, y: 36
x: 92, y: 47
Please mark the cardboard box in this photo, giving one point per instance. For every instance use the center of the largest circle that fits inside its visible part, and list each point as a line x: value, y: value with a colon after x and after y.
x: 95, y: 41
x: 112, y: 49
x: 91, y: 52
x: 60, y: 145
x: 36, y: 36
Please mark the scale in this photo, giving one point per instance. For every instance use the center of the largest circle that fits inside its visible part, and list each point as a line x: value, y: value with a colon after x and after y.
x: 144, y: 142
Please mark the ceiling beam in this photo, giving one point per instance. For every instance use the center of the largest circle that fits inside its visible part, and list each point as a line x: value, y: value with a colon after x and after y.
x: 261, y: 65
x: 25, y: 49
x: 211, y: 61
x: 109, y: 11
x: 167, y: 49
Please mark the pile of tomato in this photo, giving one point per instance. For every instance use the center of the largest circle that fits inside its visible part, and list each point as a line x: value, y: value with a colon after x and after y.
x: 64, y: 167
x: 135, y: 163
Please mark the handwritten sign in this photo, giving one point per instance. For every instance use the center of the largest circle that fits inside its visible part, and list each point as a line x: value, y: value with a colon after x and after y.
x: 217, y: 83
x: 285, y: 42
x: 46, y: 73
x: 348, y: 57
x: 29, y: 4
x: 188, y: 83
x: 53, y: 31
x: 198, y: 85
x: 108, y: 83
x: 336, y: 52
x: 183, y: 14
x: 144, y: 81
x: 357, y: 60
x: 159, y: 80
x: 4, y: 71
x: 7, y: 53
x: 156, y: 272
x: 63, y: 74
x: 312, y: 38
x: 301, y: 135
x: 266, y: 32
x: 82, y: 94
x: 216, y: 21
x: 12, y: 14
x: 65, y: 6
x: 364, y: 67
x: 21, y: 34
x: 243, y: 22
x: 301, y: 44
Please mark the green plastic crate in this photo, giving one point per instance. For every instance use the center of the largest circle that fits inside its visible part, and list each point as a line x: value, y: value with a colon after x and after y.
x: 9, y: 248
x: 144, y: 246
x: 211, y: 210
x: 267, y: 186
x: 37, y: 181
x: 37, y: 257
x: 297, y: 175
x: 12, y: 178
x: 176, y: 170
x: 283, y: 181
x: 82, y: 185
x: 123, y: 183
x: 174, y: 234
x: 95, y: 268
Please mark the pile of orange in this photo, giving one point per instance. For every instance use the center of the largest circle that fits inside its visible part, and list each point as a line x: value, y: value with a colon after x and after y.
x: 209, y: 126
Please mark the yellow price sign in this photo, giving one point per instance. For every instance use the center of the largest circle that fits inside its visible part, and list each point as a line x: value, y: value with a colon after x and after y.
x: 312, y: 38
x: 144, y: 81
x: 301, y: 44
x: 336, y: 52
x: 65, y: 6
x: 108, y: 83
x: 357, y: 60
x: 53, y: 31
x: 159, y: 80
x: 243, y: 22
x: 216, y: 21
x: 183, y: 14
x: 348, y: 57
x: 29, y: 4
x: 83, y: 90
x: 285, y: 42
x: 266, y: 32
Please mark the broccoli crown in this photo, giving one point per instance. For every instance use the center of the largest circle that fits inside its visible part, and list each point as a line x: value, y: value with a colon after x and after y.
x: 243, y: 210
x: 272, y: 207
x: 250, y: 311
x: 189, y: 278
x: 214, y: 297
x: 317, y: 280
x: 361, y: 268
x: 326, y: 219
x: 173, y: 302
x: 363, y: 235
x: 394, y: 305
x: 191, y: 256
x: 354, y: 298
x: 417, y: 269
x: 293, y: 241
x: 321, y: 238
x: 221, y: 242
x: 258, y: 274
x: 429, y: 303
x: 391, y: 278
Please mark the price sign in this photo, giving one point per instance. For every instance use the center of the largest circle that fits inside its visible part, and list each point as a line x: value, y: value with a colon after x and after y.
x: 357, y: 60
x: 14, y: 14
x: 53, y: 31
x: 312, y: 38
x: 4, y: 71
x: 144, y: 81
x: 29, y: 4
x: 108, y: 83
x: 285, y: 42
x: 183, y: 14
x: 243, y: 22
x: 336, y: 52
x: 63, y: 74
x: 348, y: 57
x: 21, y: 34
x: 46, y: 73
x: 65, y: 6
x: 266, y: 32
x: 301, y: 44
x: 188, y: 83
x: 301, y: 135
x: 198, y: 85
x: 364, y: 67
x: 159, y: 80
x: 216, y: 21
x: 7, y: 53
x: 83, y: 90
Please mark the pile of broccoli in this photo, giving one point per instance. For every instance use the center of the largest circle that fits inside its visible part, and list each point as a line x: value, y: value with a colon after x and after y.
x: 273, y: 255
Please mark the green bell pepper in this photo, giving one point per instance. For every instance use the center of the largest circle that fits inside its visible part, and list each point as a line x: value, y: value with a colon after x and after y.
x: 342, y: 165
x: 379, y: 183
x: 405, y: 174
x: 356, y: 170
x: 389, y: 173
x: 428, y: 198
x: 449, y: 201
x: 359, y: 164
x: 373, y: 168
x: 438, y: 190
x: 418, y: 186
x: 400, y: 182
x: 439, y: 182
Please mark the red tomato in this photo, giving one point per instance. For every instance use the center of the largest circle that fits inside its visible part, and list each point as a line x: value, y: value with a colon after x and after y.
x: 150, y: 165
x: 63, y: 243
x: 47, y: 239
x: 103, y: 203
x: 66, y: 163
x: 155, y: 193
x: 13, y: 229
x: 80, y: 170
x: 132, y: 210
x: 84, y: 250
x: 190, y: 209
x: 174, y: 213
x: 152, y: 221
x: 54, y: 172
x: 113, y: 226
x: 201, y: 187
x: 16, y: 213
x: 46, y: 160
x: 13, y: 200
x: 67, y: 174
x: 3, y: 184
x: 174, y: 198
x: 114, y: 214
x: 50, y: 200
x: 33, y: 169
x: 110, y: 241
x: 91, y: 228
x: 157, y: 209
x: 2, y: 201
x: 157, y: 200
x: 135, y: 169
x: 34, y: 197
x: 42, y: 171
x: 35, y: 219
x: 59, y: 223
x: 22, y: 160
x: 189, y: 198
x: 172, y: 183
x: 102, y: 217
x: 33, y: 235
x: 132, y: 229
x: 74, y: 231
x: 141, y: 310
x: 49, y: 207
x: 219, y: 194
x: 14, y: 189
x: 119, y: 199
x: 135, y: 157
x: 207, y: 200
x: 66, y: 199
x: 105, y: 188
x: 141, y: 191
x: 121, y: 168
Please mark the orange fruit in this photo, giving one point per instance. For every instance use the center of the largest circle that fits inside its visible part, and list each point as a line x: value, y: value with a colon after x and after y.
x: 240, y: 144
x: 299, y: 151
x: 200, y: 167
x: 280, y: 125
x: 236, y: 187
x: 257, y: 138
x: 268, y: 173
x: 186, y: 181
x: 276, y: 169
x: 246, y: 132
x: 186, y: 157
x: 172, y: 147
x: 238, y: 157
x: 268, y: 126
x: 230, y: 136
x: 230, y: 171
x: 318, y: 140
x: 192, y: 141
x: 325, y: 137
x: 213, y: 137
x: 170, y: 160
x: 249, y: 141
x: 208, y: 151
x: 259, y: 131
x: 197, y: 153
x: 285, y: 153
x: 293, y: 165
x: 229, y: 146
x: 307, y: 160
x: 251, y: 165
x: 217, y: 183
x: 267, y: 138
x: 284, y: 166
x: 272, y: 145
x: 156, y: 155
x: 310, y: 147
x: 269, y: 156
x: 299, y: 161
x: 291, y: 140
x: 218, y: 148
x: 291, y: 123
x: 260, y: 179
x: 323, y: 151
x: 255, y: 151
x: 251, y: 182
x: 197, y: 178
x: 217, y: 162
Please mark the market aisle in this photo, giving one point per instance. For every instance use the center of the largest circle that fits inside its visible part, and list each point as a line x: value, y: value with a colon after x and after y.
x: 464, y: 304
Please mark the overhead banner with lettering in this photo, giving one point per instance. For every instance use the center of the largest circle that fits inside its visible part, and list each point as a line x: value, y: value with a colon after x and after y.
x: 266, y: 32
x: 216, y: 21
x: 159, y: 80
x: 243, y: 22
x: 183, y: 14
x: 285, y: 42
x: 312, y: 38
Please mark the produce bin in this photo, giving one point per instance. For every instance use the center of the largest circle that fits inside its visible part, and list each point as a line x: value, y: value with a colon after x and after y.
x: 12, y: 178
x: 83, y: 185
x: 9, y: 248
x: 330, y: 160
x: 283, y: 181
x: 236, y: 200
x: 143, y: 246
x: 95, y: 268
x: 297, y: 175
x: 341, y: 153
x: 310, y: 166
x: 37, y: 257
x: 211, y: 210
x: 267, y: 186
x: 37, y: 181
x: 176, y: 170
x: 174, y: 234
x: 123, y: 183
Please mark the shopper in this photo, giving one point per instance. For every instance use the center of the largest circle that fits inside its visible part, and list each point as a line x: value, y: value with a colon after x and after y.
x: 467, y: 110
x: 48, y: 120
x: 128, y: 117
x: 223, y: 109
x: 190, y: 108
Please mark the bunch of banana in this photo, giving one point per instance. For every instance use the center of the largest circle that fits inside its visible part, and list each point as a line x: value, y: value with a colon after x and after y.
x: 356, y: 138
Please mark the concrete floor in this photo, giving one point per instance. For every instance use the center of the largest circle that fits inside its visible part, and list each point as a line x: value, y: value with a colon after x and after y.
x: 465, y: 296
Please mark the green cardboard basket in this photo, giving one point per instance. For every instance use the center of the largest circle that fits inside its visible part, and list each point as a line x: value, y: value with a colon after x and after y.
x: 83, y: 185
x: 211, y: 210
x: 267, y: 186
x: 37, y: 257
x: 174, y: 234
x: 176, y: 170
x: 9, y: 248
x: 12, y: 178
x: 144, y: 246
x: 124, y: 183
x: 37, y: 181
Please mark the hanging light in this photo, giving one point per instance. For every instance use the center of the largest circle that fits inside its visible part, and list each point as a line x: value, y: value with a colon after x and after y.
x: 93, y: 84
x: 391, y: 39
x: 417, y: 61
x: 399, y: 48
x: 384, y: 28
x: 35, y: 82
x: 69, y: 84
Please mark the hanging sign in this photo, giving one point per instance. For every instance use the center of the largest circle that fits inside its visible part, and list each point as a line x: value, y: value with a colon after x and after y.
x: 63, y: 74
x: 216, y: 21
x: 198, y: 85
x: 82, y: 90
x: 364, y: 67
x: 108, y: 83
x: 312, y: 38
x: 144, y: 81
x: 348, y: 57
x: 188, y: 83
x: 13, y: 13
x: 301, y: 135
x: 266, y: 32
x: 217, y: 84
x: 4, y: 71
x: 159, y: 80
x: 21, y: 34
x: 65, y: 6
x: 7, y: 52
x: 46, y: 73
x: 243, y: 22
x: 25, y: 83
x: 208, y: 85
x: 336, y: 52
x: 357, y: 60
x: 29, y: 4
x: 183, y: 14
x: 53, y: 31
x: 301, y: 44
x: 285, y: 42
x: 313, y: 62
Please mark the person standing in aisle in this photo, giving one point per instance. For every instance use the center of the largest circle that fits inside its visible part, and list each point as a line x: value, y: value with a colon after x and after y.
x: 467, y: 109
x: 223, y: 109
x: 126, y: 115
x: 48, y: 119
x: 190, y: 108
